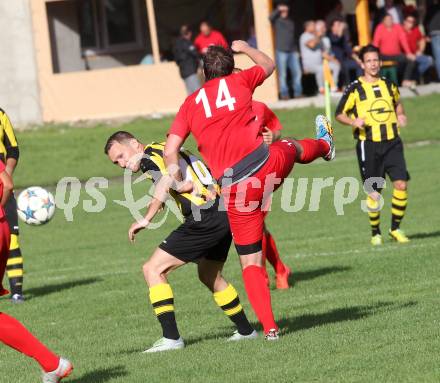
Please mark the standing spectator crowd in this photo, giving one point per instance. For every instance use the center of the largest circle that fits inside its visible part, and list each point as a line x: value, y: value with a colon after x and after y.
x: 410, y: 50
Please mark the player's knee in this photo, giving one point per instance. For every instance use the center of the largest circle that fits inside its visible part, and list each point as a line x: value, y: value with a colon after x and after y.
x: 255, y: 259
x: 150, y: 270
x: 400, y: 185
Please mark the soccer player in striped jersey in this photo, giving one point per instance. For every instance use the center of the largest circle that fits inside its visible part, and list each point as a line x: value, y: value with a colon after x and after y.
x: 12, y: 332
x: 9, y: 154
x: 371, y: 106
x: 203, y: 238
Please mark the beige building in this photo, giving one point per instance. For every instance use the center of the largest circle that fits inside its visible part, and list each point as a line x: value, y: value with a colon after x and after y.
x: 70, y: 60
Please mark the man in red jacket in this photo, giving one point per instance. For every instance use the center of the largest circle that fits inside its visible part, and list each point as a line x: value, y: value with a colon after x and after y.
x: 393, y: 46
x: 208, y: 36
x: 12, y: 332
x: 417, y: 44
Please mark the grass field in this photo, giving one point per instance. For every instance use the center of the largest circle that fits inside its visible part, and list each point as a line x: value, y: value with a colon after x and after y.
x: 355, y: 313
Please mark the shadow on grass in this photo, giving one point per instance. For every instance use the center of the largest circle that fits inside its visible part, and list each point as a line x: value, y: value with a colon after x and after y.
x: 55, y: 288
x: 298, y: 276
x: 302, y: 322
x: 101, y: 375
x: 307, y: 321
x: 425, y: 235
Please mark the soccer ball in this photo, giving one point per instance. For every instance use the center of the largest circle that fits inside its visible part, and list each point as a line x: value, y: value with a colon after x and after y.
x: 35, y: 205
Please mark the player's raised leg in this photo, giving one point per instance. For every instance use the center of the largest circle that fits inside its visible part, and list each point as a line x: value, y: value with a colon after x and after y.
x: 308, y: 149
x: 15, y: 335
x: 226, y: 297
x: 162, y: 299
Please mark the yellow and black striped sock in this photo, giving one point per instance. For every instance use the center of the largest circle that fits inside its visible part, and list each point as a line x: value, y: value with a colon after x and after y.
x: 14, y: 267
x: 229, y: 302
x: 162, y: 300
x: 398, y: 207
x: 373, y: 215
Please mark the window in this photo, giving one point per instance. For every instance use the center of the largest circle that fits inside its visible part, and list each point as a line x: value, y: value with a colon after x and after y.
x: 108, y: 26
x: 97, y: 34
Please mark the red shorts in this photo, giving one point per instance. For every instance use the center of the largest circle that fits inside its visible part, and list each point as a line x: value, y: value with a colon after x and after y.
x: 245, y: 199
x: 4, y: 251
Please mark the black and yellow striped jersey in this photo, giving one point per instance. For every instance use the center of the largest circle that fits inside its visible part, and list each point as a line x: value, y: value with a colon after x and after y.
x: 8, y: 141
x: 193, y: 169
x: 375, y: 103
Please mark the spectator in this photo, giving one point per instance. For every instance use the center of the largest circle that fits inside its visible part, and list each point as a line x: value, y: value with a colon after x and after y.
x: 335, y: 13
x: 393, y: 46
x: 341, y: 48
x: 417, y: 44
x: 432, y: 23
x: 187, y: 58
x: 395, y: 11
x: 326, y: 51
x: 313, y: 48
x: 287, y: 56
x: 209, y: 36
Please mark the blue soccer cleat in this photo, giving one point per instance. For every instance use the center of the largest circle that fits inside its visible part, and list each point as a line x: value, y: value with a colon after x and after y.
x: 324, y: 131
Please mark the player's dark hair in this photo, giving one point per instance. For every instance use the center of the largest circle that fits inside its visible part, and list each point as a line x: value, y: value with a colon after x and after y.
x: 217, y: 62
x: 120, y: 137
x: 367, y: 49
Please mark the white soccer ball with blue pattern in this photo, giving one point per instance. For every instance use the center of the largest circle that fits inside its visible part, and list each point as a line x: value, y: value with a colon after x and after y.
x: 35, y: 205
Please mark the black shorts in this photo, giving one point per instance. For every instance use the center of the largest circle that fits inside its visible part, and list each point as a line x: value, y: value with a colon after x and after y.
x: 376, y: 159
x: 11, y: 214
x: 208, y: 238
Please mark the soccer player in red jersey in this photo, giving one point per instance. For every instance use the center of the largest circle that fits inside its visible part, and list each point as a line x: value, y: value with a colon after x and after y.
x: 229, y: 138
x: 12, y: 332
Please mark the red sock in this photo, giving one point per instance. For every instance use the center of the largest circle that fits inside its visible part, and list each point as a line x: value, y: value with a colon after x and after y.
x: 263, y: 248
x: 15, y: 335
x: 272, y: 254
x: 259, y: 296
x: 312, y: 149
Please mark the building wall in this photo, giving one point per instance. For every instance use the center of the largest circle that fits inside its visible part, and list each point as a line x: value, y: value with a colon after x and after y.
x: 124, y: 91
x: 19, y: 95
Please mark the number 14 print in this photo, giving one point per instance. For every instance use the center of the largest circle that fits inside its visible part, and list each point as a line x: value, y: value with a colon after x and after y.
x: 223, y: 98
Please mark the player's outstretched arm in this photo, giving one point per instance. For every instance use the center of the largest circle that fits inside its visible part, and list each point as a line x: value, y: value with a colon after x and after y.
x: 258, y: 57
x: 171, y: 156
x: 161, y: 191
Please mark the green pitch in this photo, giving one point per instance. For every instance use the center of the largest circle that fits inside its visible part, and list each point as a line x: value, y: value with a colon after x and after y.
x: 355, y: 313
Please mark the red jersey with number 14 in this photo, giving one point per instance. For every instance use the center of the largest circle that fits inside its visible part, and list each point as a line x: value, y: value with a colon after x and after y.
x: 221, y: 118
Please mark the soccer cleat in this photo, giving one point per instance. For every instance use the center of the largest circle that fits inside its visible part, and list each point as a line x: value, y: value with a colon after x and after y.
x: 64, y: 369
x: 282, y: 279
x: 398, y: 235
x: 165, y: 344
x: 271, y: 335
x: 237, y: 336
x: 17, y: 298
x: 324, y: 131
x: 376, y: 240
